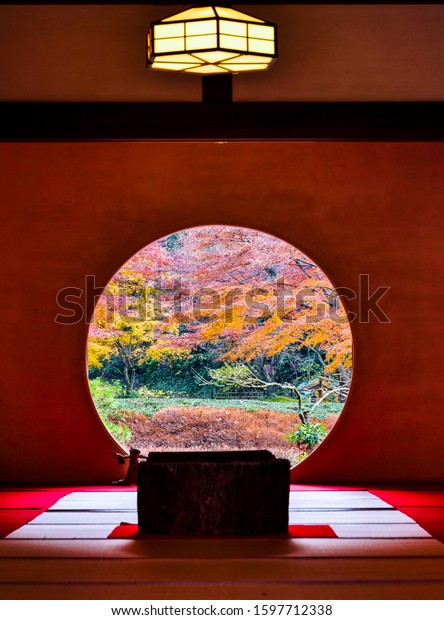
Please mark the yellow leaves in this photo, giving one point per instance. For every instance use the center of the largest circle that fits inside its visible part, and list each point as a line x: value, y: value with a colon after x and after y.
x: 210, y: 332
x: 97, y: 354
x: 159, y: 353
x: 333, y: 365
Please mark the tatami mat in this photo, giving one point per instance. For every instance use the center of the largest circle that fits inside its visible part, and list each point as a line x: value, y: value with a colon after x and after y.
x: 57, y: 546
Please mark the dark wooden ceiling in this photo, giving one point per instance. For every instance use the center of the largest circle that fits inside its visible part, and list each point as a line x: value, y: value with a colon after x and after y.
x: 200, y: 3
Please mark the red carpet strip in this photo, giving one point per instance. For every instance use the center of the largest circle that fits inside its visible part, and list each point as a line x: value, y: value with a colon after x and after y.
x: 424, y: 507
x: 130, y: 531
x: 19, y: 507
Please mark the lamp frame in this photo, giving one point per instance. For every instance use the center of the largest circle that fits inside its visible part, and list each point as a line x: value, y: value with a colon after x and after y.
x: 151, y: 56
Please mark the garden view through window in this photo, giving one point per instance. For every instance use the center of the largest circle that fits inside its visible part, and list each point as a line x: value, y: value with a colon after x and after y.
x: 220, y: 338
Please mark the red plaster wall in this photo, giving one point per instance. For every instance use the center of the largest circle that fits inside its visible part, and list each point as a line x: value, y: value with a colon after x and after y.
x: 68, y: 210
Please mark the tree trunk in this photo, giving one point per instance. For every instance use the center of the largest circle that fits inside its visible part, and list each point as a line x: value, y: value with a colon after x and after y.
x: 132, y: 379
x: 343, y: 380
x: 126, y: 379
x: 129, y: 368
x: 304, y: 417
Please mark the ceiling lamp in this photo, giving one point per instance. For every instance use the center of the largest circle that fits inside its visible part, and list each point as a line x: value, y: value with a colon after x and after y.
x: 211, y: 40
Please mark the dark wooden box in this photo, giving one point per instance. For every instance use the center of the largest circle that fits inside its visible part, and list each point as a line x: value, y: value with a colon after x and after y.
x: 239, y: 493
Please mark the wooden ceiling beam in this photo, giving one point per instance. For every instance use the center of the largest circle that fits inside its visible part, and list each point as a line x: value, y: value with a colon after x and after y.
x: 420, y: 121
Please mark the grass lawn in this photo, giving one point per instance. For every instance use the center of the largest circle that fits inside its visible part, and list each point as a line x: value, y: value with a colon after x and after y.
x: 150, y: 406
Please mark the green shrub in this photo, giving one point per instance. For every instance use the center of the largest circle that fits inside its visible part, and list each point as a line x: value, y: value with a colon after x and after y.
x: 120, y: 431
x: 105, y: 395
x: 145, y: 392
x: 307, y: 436
x: 280, y: 399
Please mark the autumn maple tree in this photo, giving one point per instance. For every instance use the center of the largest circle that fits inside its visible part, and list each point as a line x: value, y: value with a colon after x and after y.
x: 126, y: 330
x: 253, y: 301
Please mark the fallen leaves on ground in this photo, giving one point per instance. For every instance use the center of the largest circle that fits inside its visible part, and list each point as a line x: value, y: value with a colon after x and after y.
x: 204, y: 428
